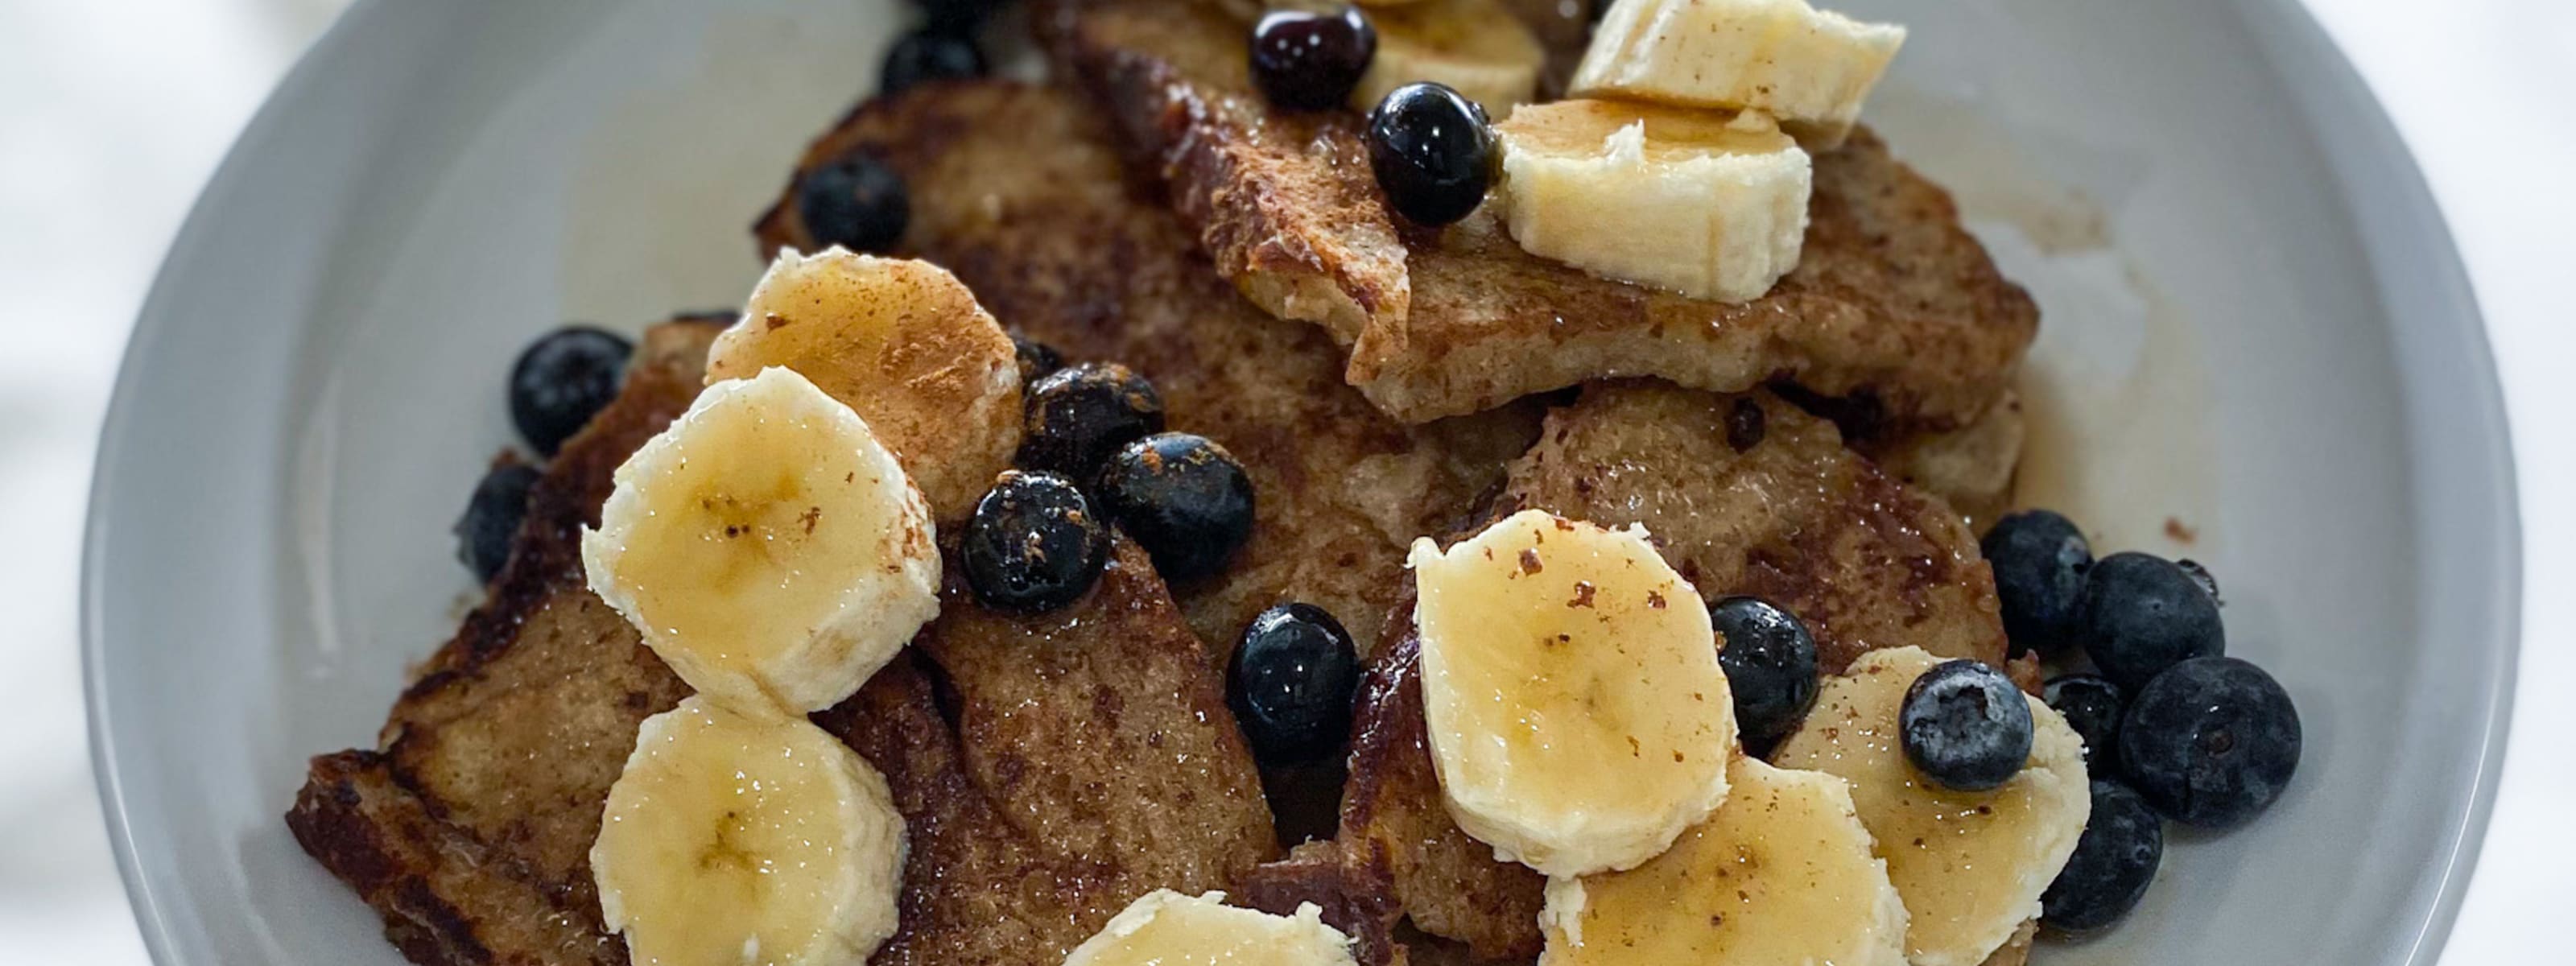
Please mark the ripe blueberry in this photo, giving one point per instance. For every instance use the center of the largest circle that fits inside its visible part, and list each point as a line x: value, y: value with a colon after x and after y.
x: 857, y: 203
x: 2039, y: 560
x: 1770, y: 664
x: 1034, y: 544
x: 1291, y: 683
x: 562, y: 380
x: 1965, y: 726
x: 2211, y: 742
x: 2141, y: 614
x: 1432, y: 152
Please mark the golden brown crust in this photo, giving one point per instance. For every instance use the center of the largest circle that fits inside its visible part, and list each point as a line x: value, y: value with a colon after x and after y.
x: 1102, y: 731
x: 1353, y: 888
x: 1448, y: 884
x: 447, y: 900
x: 1892, y: 301
x: 1081, y: 758
x: 1792, y: 516
x: 1303, y: 239
x: 1019, y: 191
x: 1971, y: 467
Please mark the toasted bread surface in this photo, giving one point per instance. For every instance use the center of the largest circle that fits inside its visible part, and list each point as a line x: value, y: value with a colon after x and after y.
x: 1971, y: 467
x: 469, y: 831
x: 1020, y: 192
x: 1270, y: 195
x: 1750, y: 495
x: 1893, y: 301
x: 1101, y: 732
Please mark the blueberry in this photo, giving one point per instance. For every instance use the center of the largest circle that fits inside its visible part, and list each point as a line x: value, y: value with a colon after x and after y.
x: 1183, y: 498
x: 1291, y: 684
x: 1965, y: 726
x: 857, y: 203
x: 491, y: 517
x: 1034, y: 543
x: 2092, y: 706
x: 1038, y: 360
x: 1432, y: 152
x: 562, y: 380
x: 2211, y: 742
x: 2201, y: 575
x: 2141, y: 614
x: 2114, y: 860
x: 2039, y: 559
x: 928, y: 55
x: 1306, y: 60
x: 1770, y: 663
x: 1080, y: 415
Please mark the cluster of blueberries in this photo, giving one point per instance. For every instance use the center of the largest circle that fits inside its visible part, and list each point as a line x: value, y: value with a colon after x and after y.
x: 1095, y: 454
x: 1431, y: 148
x: 2172, y: 727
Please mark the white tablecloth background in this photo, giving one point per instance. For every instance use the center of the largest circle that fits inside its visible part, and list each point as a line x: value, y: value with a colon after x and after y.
x: 113, y: 113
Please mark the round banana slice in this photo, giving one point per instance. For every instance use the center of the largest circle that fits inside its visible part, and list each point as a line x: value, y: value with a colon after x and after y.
x: 903, y: 343
x: 1166, y: 928
x: 1476, y: 47
x: 1699, y: 202
x: 771, y: 552
x: 1970, y: 865
x: 1811, y: 68
x: 731, y: 839
x: 1781, y: 874
x: 1577, y: 716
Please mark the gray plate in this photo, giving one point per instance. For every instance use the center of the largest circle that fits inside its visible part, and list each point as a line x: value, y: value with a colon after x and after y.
x: 2256, y: 330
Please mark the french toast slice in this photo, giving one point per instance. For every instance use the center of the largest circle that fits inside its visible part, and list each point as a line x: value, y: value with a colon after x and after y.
x: 469, y: 828
x: 1020, y: 192
x: 1743, y: 494
x: 1893, y: 302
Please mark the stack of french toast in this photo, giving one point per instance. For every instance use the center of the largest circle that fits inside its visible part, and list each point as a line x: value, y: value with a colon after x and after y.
x: 1824, y: 447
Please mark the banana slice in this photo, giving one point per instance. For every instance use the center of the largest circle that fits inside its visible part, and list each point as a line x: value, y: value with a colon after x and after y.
x: 903, y: 343
x: 731, y: 839
x: 1808, y: 67
x: 772, y: 553
x: 1706, y: 204
x: 1781, y: 874
x: 1475, y: 46
x: 1577, y: 716
x: 1166, y: 928
x: 1970, y: 865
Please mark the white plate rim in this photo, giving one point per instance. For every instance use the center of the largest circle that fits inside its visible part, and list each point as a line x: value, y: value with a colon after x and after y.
x: 2335, y: 96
